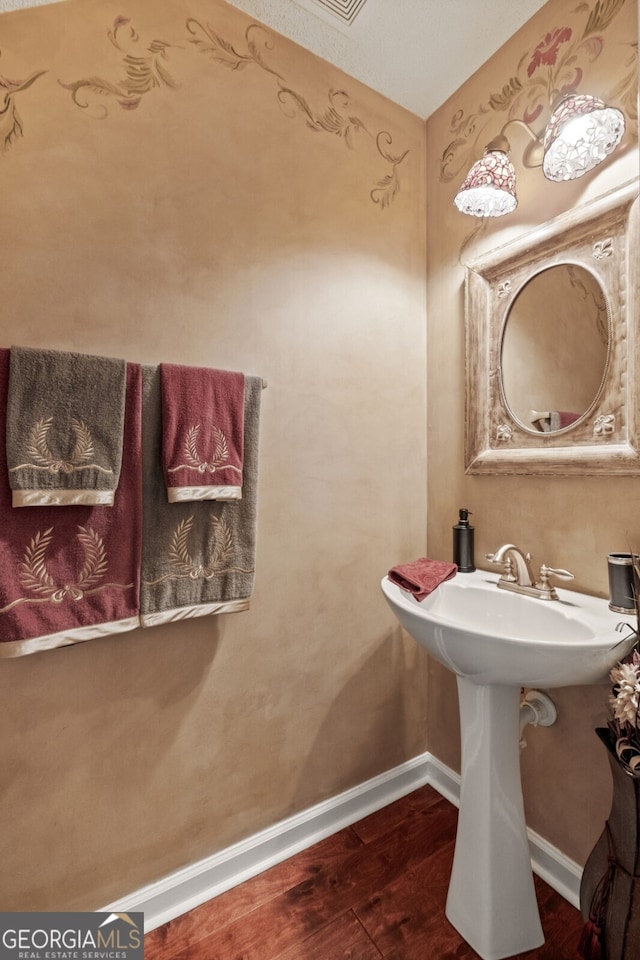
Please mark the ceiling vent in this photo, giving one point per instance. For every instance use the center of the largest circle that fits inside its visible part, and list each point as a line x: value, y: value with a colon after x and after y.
x: 337, y: 12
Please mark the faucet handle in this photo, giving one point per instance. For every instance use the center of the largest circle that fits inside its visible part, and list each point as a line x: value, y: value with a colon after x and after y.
x: 507, y: 566
x: 556, y: 571
x: 547, y: 590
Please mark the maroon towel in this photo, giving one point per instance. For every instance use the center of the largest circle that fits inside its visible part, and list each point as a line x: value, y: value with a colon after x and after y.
x: 421, y: 577
x: 71, y: 575
x: 559, y: 419
x: 202, y: 432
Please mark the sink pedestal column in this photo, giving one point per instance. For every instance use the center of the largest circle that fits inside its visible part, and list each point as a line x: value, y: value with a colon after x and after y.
x: 491, y: 900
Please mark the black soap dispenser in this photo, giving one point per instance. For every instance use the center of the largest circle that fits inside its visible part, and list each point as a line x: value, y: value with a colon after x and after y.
x: 463, y: 543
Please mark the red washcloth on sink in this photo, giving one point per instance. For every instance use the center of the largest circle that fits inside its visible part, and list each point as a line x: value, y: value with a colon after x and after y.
x: 421, y: 577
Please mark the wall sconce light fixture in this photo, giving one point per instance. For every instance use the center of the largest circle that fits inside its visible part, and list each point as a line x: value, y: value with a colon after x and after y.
x: 581, y: 133
x: 489, y: 189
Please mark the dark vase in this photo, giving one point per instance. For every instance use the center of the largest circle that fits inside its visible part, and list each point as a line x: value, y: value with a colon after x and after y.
x: 610, y: 888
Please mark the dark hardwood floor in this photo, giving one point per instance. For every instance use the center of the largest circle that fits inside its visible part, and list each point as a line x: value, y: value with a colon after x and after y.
x: 374, y: 890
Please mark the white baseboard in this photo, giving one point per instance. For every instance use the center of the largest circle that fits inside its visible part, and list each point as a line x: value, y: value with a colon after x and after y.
x: 193, y: 885
x: 443, y: 779
x: 561, y: 873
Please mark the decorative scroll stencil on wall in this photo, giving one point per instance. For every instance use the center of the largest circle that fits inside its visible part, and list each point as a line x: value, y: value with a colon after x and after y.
x: 556, y: 64
x: 10, y: 122
x: 334, y: 120
x: 142, y: 73
x: 145, y: 68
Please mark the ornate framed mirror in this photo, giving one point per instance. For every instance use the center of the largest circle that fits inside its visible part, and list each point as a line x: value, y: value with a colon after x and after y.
x: 552, y: 346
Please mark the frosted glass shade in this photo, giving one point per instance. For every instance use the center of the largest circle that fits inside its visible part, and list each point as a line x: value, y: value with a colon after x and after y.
x: 489, y: 189
x: 582, y: 132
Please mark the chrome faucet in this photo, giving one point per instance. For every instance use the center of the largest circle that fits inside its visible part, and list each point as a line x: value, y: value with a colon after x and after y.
x: 518, y: 574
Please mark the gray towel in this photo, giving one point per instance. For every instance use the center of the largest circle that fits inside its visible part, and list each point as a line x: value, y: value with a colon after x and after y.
x: 197, y: 558
x: 65, y: 421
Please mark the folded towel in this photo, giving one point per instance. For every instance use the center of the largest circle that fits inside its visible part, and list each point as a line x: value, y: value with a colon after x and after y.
x: 71, y: 575
x: 65, y: 418
x: 202, y: 432
x: 421, y: 577
x: 198, y: 558
x: 548, y: 421
x: 559, y: 419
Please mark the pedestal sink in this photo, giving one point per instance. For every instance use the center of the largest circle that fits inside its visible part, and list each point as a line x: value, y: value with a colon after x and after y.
x: 497, y: 642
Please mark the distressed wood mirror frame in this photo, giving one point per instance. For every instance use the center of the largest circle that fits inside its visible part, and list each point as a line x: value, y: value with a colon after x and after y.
x: 603, y: 237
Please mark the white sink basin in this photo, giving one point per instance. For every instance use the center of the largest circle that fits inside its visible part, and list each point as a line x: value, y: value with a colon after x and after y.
x: 496, y: 642
x: 490, y: 635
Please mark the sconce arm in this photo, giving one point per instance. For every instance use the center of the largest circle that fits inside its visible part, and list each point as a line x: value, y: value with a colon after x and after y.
x: 534, y: 152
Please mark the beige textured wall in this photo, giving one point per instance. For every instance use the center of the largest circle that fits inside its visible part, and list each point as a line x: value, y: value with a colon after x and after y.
x: 237, y: 215
x: 570, y: 523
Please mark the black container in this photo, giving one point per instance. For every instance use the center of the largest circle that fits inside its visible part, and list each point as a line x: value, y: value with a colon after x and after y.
x: 621, y: 592
x: 463, y: 543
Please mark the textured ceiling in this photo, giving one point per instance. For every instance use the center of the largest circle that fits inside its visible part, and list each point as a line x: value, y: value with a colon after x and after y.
x: 416, y: 52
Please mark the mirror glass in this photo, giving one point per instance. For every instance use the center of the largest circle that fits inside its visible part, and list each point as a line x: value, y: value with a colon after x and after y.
x: 554, y: 348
